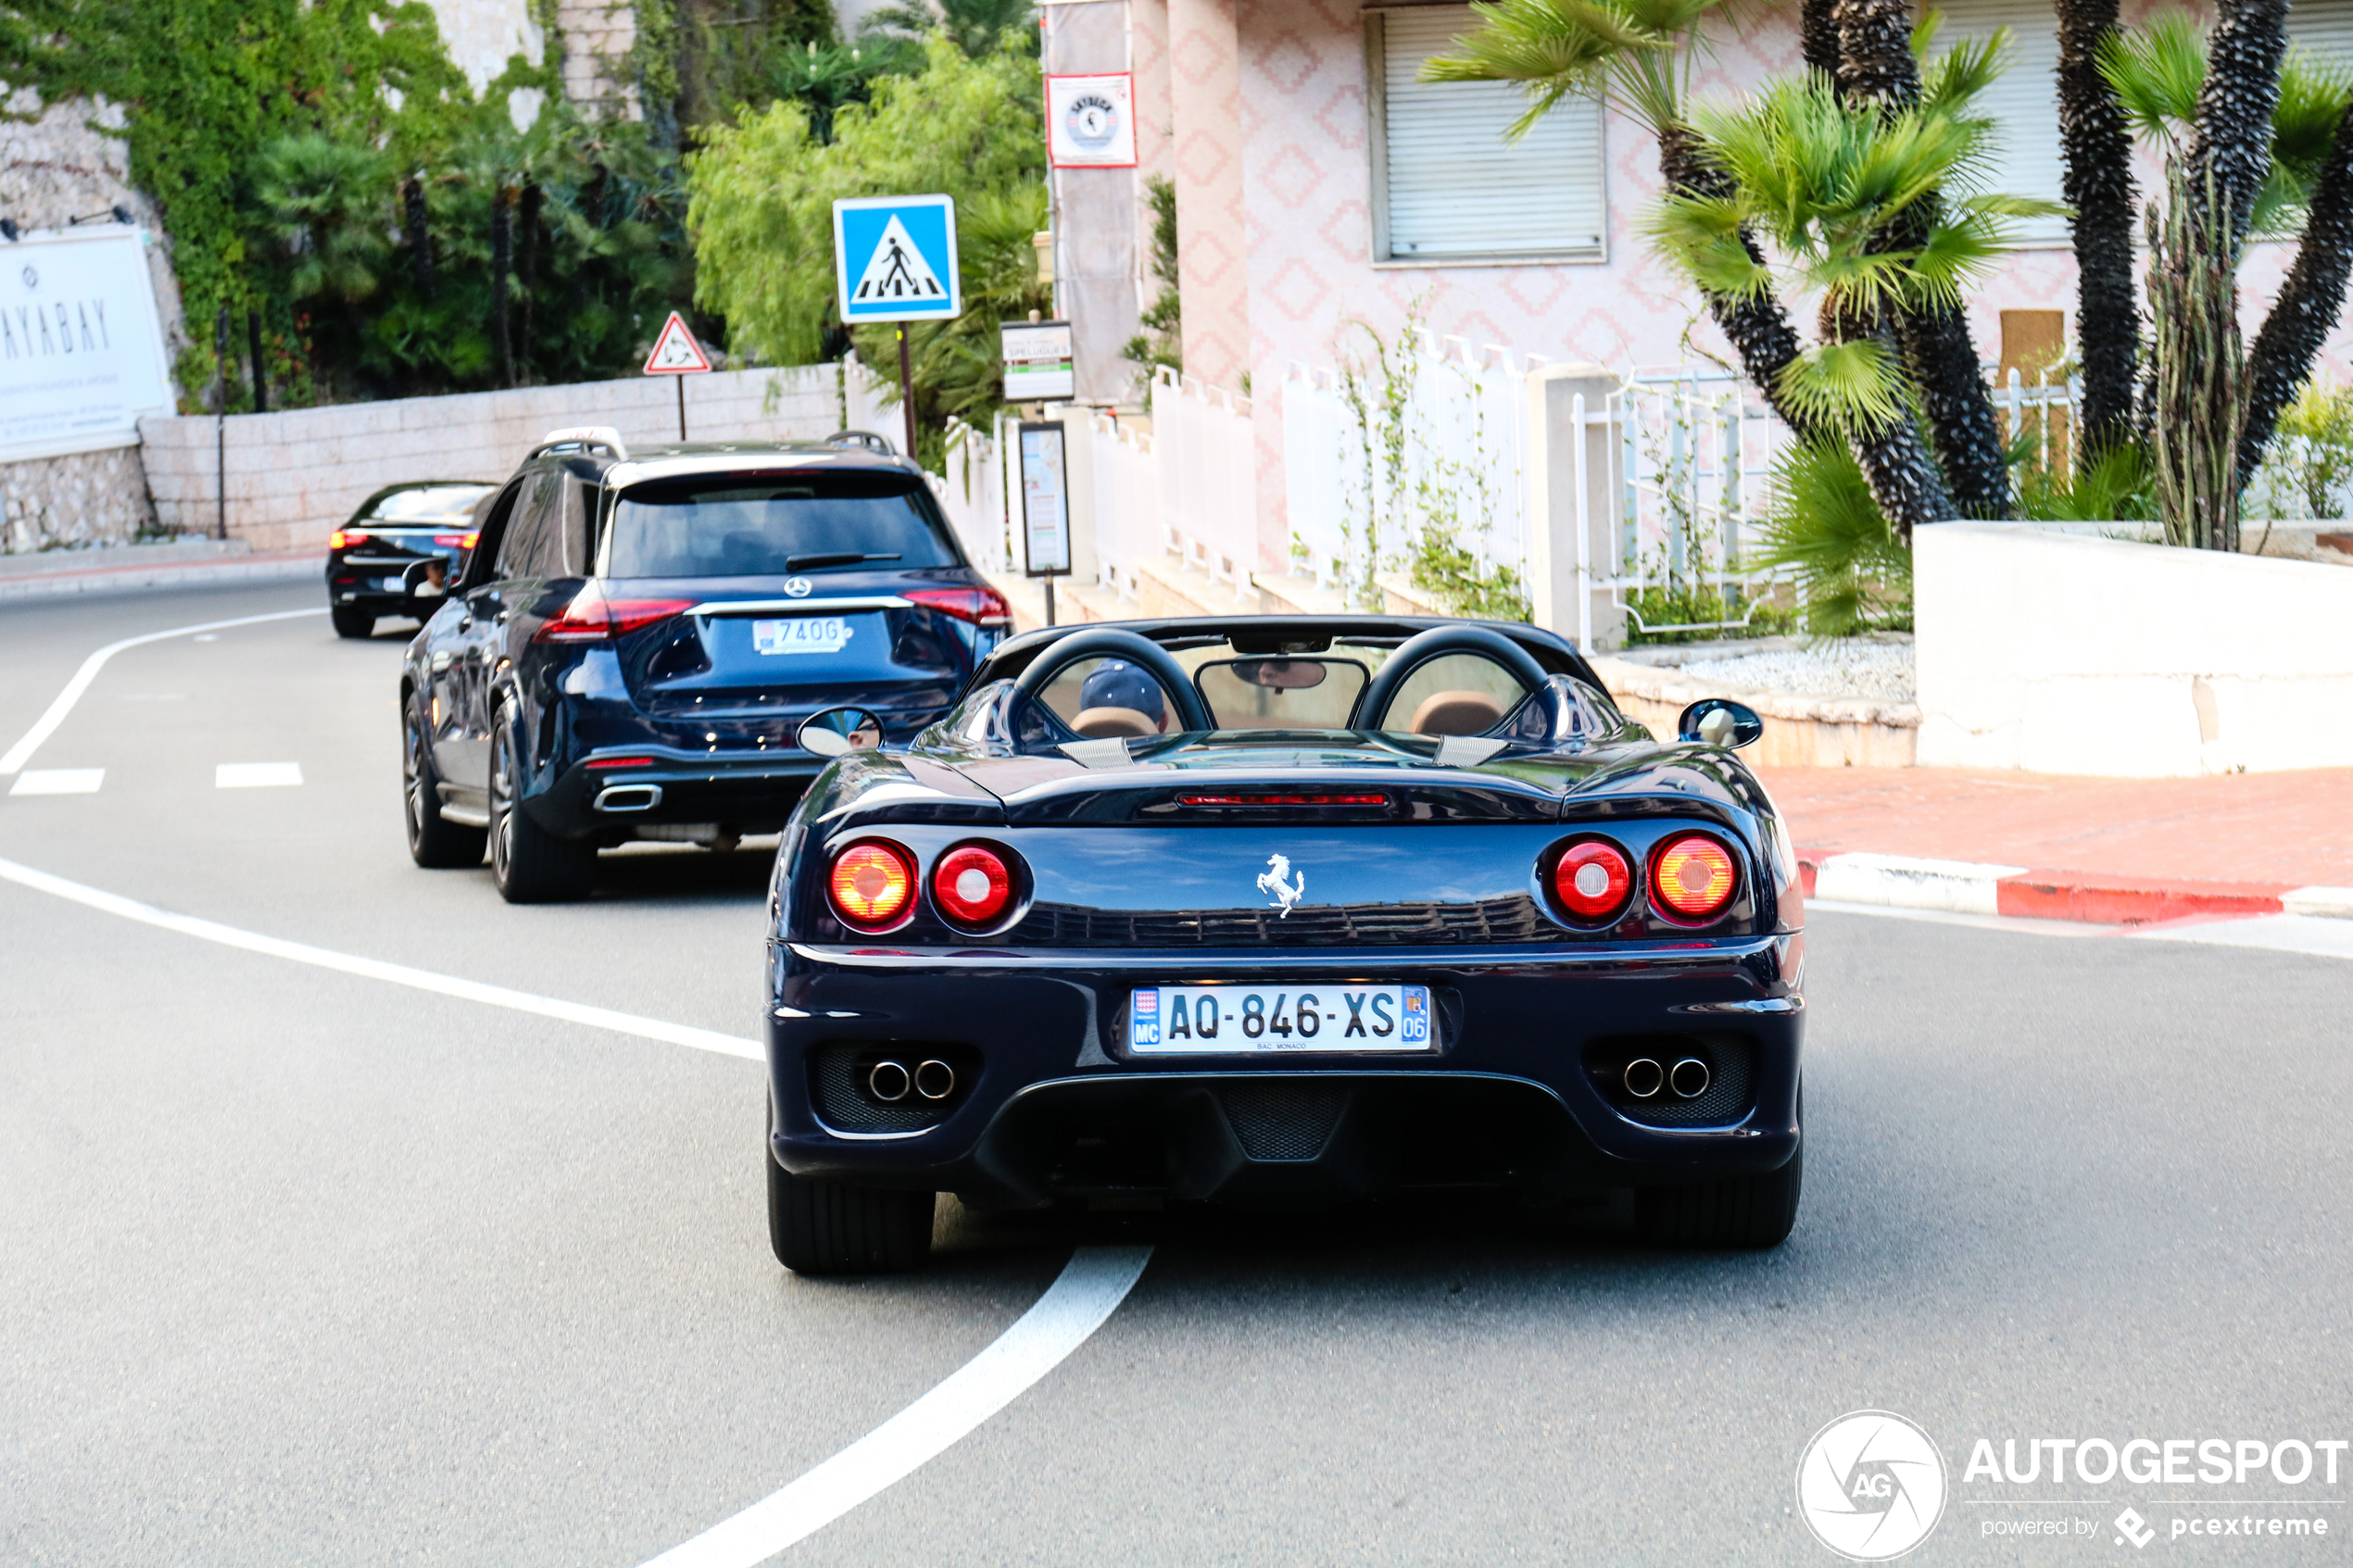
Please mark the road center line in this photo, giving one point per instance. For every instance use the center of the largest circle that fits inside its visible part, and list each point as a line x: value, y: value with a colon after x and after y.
x: 448, y: 986
x: 46, y: 725
x: 1089, y: 1290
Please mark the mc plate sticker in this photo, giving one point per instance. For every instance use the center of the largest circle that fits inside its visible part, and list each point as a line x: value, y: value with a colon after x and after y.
x: 1233, y: 1019
x: 801, y: 633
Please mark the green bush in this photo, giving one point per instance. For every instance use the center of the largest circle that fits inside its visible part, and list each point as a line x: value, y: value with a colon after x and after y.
x: 1854, y: 571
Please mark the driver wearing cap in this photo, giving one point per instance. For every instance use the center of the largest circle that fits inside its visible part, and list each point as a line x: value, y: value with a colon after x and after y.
x: 1119, y: 699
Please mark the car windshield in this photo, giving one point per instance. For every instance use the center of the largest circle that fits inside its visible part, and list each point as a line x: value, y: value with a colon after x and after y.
x: 738, y: 526
x: 428, y: 504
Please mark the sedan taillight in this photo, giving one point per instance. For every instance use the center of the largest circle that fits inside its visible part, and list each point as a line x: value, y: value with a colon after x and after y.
x: 983, y: 606
x: 592, y: 618
x: 1694, y: 878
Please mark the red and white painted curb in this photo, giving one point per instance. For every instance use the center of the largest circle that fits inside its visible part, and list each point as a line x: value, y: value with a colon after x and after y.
x: 1969, y: 887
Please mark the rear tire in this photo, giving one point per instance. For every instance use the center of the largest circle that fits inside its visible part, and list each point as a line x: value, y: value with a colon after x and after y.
x: 435, y: 842
x: 354, y: 623
x: 834, y: 1228
x: 529, y: 864
x: 1753, y: 1212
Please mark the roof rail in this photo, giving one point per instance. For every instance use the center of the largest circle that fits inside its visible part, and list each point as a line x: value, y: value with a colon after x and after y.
x: 584, y: 436
x: 866, y: 438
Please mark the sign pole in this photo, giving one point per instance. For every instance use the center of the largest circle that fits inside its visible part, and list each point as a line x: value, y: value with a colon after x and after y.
x: 682, y: 405
x: 220, y: 425
x: 1050, y: 601
x: 907, y: 393
x: 677, y: 355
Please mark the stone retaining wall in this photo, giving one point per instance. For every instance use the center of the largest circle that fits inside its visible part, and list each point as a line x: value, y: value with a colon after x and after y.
x: 292, y: 477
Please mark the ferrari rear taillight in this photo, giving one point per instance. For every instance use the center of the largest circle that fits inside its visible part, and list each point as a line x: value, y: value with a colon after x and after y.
x: 871, y: 885
x: 592, y: 618
x: 1592, y: 878
x: 343, y: 538
x: 972, y: 884
x: 1693, y: 878
x: 983, y: 606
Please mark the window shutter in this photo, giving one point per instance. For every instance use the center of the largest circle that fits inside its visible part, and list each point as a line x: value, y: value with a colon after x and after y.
x: 1454, y: 189
x: 2023, y: 104
x: 2323, y: 27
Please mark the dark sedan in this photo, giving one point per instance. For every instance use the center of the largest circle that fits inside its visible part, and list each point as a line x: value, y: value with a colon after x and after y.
x: 632, y: 646
x: 399, y: 551
x: 1282, y: 911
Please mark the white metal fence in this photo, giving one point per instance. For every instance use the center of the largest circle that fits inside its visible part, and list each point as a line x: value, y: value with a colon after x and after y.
x: 1695, y: 461
x: 1208, y: 474
x: 1423, y: 437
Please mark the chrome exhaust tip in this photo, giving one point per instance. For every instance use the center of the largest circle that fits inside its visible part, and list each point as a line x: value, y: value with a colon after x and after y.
x: 935, y: 1080
x: 1644, y: 1077
x: 888, y: 1082
x: 629, y: 797
x: 1689, y: 1078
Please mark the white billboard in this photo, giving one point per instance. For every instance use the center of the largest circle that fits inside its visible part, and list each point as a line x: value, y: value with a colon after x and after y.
x: 82, y: 352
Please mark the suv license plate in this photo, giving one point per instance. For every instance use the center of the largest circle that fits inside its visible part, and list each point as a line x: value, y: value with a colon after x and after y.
x: 801, y: 633
x: 1231, y: 1020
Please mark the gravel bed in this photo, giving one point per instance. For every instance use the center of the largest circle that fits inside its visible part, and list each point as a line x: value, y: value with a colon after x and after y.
x: 1842, y: 667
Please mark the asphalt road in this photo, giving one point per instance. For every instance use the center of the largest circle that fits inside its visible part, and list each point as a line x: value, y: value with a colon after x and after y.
x: 298, y: 1267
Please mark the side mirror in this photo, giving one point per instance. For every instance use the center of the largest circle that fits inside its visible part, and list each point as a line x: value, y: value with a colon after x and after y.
x: 424, y: 580
x: 1716, y: 721
x: 837, y: 732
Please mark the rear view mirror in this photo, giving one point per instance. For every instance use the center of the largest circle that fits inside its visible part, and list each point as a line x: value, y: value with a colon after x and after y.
x: 837, y: 732
x: 425, y: 579
x: 1716, y: 721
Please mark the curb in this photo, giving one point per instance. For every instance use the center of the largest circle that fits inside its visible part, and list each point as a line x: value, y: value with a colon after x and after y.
x: 162, y: 574
x: 1905, y: 882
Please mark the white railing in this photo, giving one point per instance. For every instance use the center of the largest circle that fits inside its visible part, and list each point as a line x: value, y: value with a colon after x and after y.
x: 870, y: 402
x: 973, y: 495
x: 1694, y: 461
x: 1127, y: 483
x: 1207, y: 458
x: 1428, y: 436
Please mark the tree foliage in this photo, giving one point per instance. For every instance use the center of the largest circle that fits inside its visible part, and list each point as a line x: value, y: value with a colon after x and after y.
x: 762, y: 191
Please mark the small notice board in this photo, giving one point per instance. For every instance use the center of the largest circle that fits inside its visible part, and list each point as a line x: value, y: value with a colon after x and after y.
x: 1045, y: 502
x: 1038, y: 361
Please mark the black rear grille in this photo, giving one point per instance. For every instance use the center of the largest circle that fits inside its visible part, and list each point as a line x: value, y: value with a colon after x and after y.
x: 1279, y: 1121
x: 1515, y: 919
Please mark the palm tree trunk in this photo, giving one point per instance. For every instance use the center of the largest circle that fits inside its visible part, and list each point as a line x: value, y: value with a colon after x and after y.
x: 2099, y: 187
x: 1817, y: 34
x: 1876, y: 67
x: 2233, y: 128
x: 1757, y: 327
x: 1902, y: 476
x: 2308, y: 302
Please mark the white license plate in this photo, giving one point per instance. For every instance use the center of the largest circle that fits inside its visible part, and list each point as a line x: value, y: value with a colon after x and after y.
x: 392, y: 584
x: 1226, y: 1019
x: 801, y: 633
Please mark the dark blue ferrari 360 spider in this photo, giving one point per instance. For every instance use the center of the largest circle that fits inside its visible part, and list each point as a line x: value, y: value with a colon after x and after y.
x: 1281, y: 910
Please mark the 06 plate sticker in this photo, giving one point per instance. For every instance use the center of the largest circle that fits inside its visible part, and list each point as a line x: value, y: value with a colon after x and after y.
x: 1234, y: 1019
x: 801, y: 633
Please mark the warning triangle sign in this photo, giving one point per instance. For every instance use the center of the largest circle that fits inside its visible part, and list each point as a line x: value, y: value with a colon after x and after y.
x: 675, y: 351
x: 897, y: 273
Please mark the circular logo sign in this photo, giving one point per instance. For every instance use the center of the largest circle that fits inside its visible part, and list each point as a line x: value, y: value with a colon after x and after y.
x: 798, y: 586
x: 1871, y: 1486
x: 1093, y: 121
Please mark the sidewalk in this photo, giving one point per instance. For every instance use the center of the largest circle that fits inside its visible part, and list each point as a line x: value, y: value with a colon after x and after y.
x: 187, y: 563
x: 2109, y: 850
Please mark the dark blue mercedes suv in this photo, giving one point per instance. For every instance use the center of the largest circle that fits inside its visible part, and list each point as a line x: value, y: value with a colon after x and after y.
x: 630, y: 647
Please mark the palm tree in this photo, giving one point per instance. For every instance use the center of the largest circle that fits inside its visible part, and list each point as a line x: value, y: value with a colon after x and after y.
x: 1827, y: 188
x: 1879, y: 65
x: 2232, y: 134
x: 2099, y: 188
x: 2306, y: 311
x: 977, y: 27
x: 1636, y: 56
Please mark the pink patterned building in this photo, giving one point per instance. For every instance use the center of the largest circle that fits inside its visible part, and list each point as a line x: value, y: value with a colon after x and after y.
x: 1320, y: 192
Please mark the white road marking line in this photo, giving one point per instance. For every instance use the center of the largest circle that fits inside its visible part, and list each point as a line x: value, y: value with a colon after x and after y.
x: 256, y: 775
x: 46, y: 725
x: 447, y: 986
x: 2022, y: 923
x: 1089, y: 1290
x: 2326, y: 936
x: 58, y: 781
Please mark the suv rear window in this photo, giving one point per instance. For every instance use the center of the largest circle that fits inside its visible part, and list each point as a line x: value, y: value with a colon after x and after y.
x: 734, y: 526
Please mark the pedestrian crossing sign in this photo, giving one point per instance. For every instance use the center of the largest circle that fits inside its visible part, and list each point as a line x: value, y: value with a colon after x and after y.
x: 895, y: 259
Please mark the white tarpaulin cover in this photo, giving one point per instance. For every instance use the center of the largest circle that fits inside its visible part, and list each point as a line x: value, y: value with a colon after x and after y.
x: 81, y: 342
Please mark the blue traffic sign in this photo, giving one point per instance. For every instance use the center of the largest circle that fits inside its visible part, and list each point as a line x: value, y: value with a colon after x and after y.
x: 895, y: 259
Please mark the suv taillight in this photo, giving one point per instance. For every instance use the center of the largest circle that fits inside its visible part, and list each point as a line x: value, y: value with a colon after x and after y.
x: 343, y: 538
x: 983, y: 606
x: 592, y: 618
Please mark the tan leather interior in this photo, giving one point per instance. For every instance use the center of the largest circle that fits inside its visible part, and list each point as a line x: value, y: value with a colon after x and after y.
x: 1456, y: 713
x: 1113, y: 723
